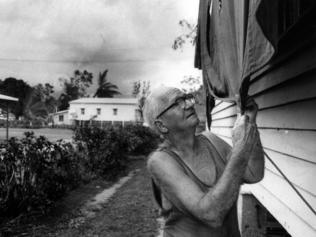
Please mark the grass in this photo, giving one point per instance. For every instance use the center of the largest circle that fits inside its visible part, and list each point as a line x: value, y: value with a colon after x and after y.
x: 131, y: 211
x: 52, y: 134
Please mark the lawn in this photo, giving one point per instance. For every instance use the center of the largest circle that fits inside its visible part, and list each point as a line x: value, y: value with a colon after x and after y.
x: 52, y: 134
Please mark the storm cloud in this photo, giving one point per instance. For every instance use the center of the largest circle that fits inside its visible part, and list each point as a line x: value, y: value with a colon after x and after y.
x: 44, y: 40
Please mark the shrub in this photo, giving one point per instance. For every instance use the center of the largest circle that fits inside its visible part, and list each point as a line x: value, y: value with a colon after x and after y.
x: 140, y: 139
x: 105, y: 148
x: 34, y: 172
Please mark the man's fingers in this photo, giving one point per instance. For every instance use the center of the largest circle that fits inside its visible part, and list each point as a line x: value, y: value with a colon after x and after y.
x: 246, y: 118
x: 238, y: 115
x: 250, y: 104
x: 238, y: 102
x: 242, y: 119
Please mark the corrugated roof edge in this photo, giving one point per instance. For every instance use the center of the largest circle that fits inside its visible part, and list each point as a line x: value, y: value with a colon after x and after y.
x: 59, y: 112
x: 105, y: 101
x: 6, y: 97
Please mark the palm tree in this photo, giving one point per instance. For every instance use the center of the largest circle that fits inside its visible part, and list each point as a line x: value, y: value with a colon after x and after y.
x: 106, y: 89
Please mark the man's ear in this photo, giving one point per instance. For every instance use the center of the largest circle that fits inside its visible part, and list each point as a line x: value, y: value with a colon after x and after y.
x: 161, y: 127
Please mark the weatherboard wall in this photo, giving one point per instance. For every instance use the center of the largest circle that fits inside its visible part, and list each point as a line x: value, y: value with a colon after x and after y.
x: 107, y: 112
x: 286, y: 95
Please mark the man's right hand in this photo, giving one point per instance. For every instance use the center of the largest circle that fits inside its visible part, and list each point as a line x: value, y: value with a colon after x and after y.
x: 244, y: 135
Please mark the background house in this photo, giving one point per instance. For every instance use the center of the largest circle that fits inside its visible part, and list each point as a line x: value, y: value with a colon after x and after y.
x: 109, y: 110
x: 6, y: 101
x: 99, y: 111
x: 3, y: 115
x: 60, y: 118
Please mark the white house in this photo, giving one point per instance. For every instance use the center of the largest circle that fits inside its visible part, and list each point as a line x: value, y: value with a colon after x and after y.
x: 104, y: 109
x: 60, y: 118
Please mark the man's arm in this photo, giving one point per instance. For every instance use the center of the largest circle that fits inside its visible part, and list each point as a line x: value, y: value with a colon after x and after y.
x: 255, y: 168
x: 211, y: 206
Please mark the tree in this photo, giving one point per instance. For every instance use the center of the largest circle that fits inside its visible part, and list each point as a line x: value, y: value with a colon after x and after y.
x: 43, y: 92
x: 191, y: 84
x: 40, y: 102
x: 141, y: 90
x: 105, y: 88
x: 74, y: 88
x: 189, y: 35
x: 19, y: 89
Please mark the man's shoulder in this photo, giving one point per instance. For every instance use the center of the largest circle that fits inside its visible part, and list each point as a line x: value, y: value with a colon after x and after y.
x: 156, y: 155
x: 213, y: 137
x: 219, y: 143
x: 209, y: 135
x: 158, y: 158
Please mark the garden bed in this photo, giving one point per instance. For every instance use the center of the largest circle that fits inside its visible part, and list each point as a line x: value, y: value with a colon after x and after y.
x: 36, y: 173
x: 129, y: 212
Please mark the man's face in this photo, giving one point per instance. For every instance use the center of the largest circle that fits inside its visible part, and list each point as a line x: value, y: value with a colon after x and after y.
x: 179, y: 113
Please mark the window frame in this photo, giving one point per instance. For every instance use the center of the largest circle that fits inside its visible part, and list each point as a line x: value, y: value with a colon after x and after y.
x: 115, y: 111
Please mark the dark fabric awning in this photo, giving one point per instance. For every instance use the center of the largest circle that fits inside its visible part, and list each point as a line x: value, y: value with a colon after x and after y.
x: 217, y: 47
x: 237, y: 38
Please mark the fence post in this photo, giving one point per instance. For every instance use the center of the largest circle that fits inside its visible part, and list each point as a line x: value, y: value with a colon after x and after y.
x: 7, y: 136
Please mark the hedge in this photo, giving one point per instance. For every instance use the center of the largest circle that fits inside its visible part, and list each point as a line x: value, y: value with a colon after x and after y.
x: 107, y: 148
x: 35, y: 172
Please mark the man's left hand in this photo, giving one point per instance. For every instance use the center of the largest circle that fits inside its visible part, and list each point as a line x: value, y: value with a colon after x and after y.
x: 251, y: 109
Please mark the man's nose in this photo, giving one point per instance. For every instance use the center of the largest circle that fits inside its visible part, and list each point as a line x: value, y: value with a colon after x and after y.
x: 189, y: 104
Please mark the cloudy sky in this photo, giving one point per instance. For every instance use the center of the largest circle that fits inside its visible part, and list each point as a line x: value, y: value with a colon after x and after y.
x: 43, y: 40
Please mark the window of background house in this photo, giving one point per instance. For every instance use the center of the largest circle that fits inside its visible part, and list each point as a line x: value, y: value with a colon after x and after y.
x: 115, y: 111
x: 61, y: 118
x: 98, y: 111
x: 82, y: 110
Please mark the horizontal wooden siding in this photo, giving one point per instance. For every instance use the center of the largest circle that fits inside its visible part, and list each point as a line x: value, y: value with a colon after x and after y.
x: 286, y: 95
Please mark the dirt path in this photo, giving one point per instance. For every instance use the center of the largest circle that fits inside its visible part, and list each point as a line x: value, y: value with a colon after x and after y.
x: 129, y: 212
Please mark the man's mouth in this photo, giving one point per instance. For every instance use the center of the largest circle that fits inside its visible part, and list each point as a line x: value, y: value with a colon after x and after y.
x: 193, y: 113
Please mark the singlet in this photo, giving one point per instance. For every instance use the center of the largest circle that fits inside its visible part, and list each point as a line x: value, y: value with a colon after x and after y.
x: 182, y: 224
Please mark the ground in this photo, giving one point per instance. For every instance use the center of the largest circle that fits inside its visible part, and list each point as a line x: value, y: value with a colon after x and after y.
x: 129, y: 212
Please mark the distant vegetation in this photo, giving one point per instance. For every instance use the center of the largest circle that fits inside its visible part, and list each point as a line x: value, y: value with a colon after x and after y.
x: 141, y: 89
x: 105, y: 88
x: 36, y: 102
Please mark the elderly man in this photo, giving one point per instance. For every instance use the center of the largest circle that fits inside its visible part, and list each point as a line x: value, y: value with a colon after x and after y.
x: 196, y: 178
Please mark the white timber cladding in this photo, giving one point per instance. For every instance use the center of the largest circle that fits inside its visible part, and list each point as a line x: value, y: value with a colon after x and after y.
x: 61, y: 118
x: 104, y: 109
x: 286, y: 95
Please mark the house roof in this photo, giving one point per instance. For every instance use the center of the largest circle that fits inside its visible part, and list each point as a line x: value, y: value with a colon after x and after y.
x: 8, y: 98
x: 59, y: 112
x: 105, y: 101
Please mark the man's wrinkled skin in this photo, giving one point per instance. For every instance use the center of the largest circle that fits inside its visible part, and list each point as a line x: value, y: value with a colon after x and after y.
x: 245, y: 162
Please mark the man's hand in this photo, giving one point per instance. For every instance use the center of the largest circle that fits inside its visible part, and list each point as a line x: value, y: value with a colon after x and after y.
x: 244, y: 135
x: 251, y: 109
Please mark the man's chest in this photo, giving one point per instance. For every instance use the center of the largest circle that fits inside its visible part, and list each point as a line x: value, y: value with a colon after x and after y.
x: 203, y: 166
